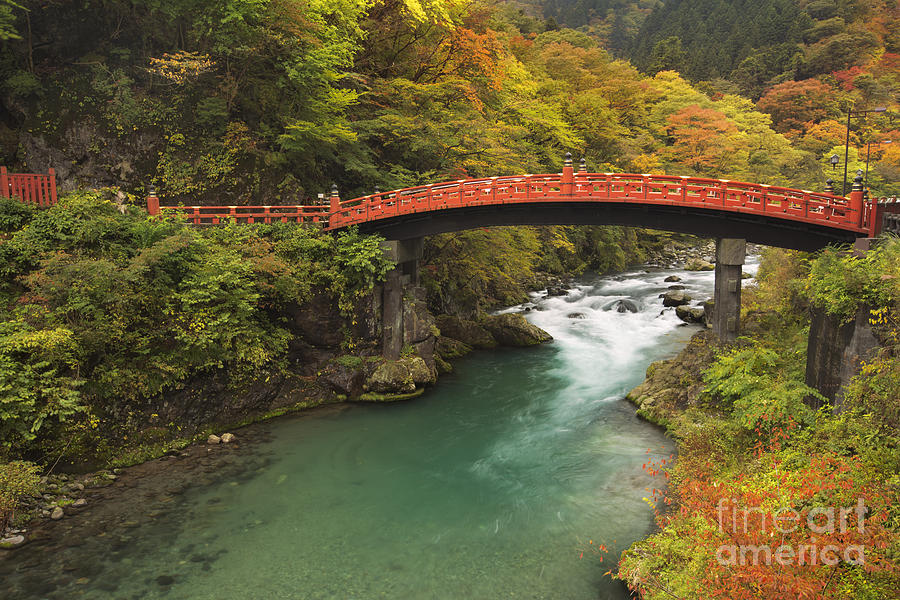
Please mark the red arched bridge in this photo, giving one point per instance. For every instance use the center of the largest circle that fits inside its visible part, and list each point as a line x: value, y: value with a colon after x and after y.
x: 760, y: 213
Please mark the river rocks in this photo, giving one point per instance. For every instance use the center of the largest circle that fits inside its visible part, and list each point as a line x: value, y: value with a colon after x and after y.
x: 556, y: 291
x: 468, y: 332
x: 449, y: 348
x: 673, y: 385
x: 576, y: 315
x: 513, y: 330
x: 227, y: 438
x: 79, y: 503
x: 672, y: 279
x: 57, y: 513
x: 12, y: 541
x: 346, y: 375
x: 698, y: 264
x: 675, y: 298
x: 626, y: 305
x: 399, y: 376
x: 690, y: 314
x: 213, y: 439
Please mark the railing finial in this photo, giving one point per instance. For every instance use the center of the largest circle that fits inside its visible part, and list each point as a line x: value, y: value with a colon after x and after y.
x: 858, y: 182
x: 334, y: 191
x: 582, y: 166
x: 829, y: 186
x: 568, y: 161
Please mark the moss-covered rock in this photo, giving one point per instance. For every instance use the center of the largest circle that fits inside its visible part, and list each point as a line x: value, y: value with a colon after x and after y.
x: 673, y: 385
x: 698, y: 264
x: 400, y: 376
x: 466, y: 331
x: 513, y: 330
x: 449, y: 348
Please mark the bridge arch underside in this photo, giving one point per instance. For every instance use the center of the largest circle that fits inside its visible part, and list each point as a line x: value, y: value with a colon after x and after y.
x: 703, y: 222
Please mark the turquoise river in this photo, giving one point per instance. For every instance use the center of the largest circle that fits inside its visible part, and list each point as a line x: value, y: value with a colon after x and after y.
x: 500, y: 482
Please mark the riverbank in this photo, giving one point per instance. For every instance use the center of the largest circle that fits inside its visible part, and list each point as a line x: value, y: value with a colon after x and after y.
x: 750, y: 444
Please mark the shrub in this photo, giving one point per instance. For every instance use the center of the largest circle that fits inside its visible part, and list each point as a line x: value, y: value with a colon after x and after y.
x: 17, y: 479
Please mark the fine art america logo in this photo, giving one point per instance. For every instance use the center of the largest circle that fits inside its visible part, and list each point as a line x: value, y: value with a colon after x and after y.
x: 828, y: 522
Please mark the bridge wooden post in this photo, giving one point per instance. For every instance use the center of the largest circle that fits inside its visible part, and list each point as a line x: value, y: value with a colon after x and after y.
x: 152, y: 202
x: 567, y: 182
x: 4, y: 183
x: 857, y: 199
x: 730, y: 254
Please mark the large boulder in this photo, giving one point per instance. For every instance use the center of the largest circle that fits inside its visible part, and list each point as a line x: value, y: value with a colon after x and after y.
x: 675, y: 298
x: 400, y: 376
x: 513, y: 330
x: 690, y: 314
x: 698, y: 264
x: 345, y: 375
x: 468, y: 332
x: 449, y: 348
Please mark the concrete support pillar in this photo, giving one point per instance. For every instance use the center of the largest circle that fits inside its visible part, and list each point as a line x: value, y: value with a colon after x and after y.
x: 392, y: 316
x: 730, y: 254
x: 836, y: 352
x: 407, y: 254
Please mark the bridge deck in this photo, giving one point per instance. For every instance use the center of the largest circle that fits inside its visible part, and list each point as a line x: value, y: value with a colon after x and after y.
x: 720, y: 207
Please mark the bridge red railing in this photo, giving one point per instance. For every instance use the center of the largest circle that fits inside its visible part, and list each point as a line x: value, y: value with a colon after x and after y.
x: 717, y: 194
x: 851, y: 214
x: 34, y: 188
x: 214, y: 215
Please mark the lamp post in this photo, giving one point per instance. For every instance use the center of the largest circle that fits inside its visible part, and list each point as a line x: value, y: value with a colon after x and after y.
x: 850, y: 114
x: 868, y: 148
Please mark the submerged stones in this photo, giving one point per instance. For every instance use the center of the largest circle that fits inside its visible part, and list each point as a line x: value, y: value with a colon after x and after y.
x: 622, y: 306
x: 57, y: 513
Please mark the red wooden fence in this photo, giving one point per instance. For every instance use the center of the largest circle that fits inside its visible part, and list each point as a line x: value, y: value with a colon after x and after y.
x: 35, y: 188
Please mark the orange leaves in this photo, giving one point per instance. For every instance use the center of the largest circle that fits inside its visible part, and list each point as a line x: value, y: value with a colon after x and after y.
x: 701, y: 137
x: 794, y: 104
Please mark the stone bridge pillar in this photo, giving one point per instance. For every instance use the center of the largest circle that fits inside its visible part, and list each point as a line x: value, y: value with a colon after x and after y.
x: 407, y: 254
x: 730, y: 254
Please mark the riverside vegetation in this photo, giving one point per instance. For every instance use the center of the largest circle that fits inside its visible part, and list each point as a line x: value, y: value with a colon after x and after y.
x: 105, y: 313
x: 747, y: 436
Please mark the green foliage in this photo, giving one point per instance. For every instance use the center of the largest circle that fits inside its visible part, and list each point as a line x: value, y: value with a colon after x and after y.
x: 841, y: 282
x: 14, y: 214
x: 38, y: 381
x: 17, y: 480
x: 762, y: 386
x: 114, y: 308
x: 8, y: 20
